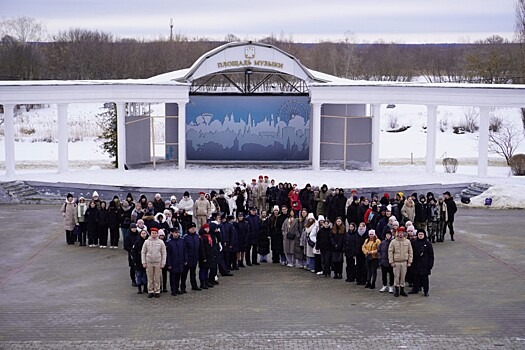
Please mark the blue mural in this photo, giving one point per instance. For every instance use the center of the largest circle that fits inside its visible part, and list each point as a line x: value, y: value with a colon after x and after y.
x: 260, y: 128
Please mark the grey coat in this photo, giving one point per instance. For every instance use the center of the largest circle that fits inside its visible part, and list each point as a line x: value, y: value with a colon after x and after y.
x: 289, y: 244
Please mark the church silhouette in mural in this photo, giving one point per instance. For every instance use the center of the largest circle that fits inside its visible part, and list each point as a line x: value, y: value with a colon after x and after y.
x: 281, y: 137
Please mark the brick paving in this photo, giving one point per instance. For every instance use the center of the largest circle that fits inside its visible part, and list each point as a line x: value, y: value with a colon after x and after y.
x: 55, y: 296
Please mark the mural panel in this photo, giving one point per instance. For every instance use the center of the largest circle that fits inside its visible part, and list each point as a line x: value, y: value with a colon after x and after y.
x: 259, y: 128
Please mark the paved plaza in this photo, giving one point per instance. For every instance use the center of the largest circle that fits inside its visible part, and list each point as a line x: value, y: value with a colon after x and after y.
x: 55, y: 296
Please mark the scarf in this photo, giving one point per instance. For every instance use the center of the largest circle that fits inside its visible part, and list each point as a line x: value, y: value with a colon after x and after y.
x: 361, y: 231
x: 207, y: 236
x: 82, y: 207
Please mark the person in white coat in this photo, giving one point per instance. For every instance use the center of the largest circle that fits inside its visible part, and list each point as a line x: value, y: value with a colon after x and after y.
x: 317, y: 253
x: 310, y: 231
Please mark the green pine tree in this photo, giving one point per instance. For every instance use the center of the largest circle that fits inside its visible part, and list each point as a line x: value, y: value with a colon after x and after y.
x: 108, y: 123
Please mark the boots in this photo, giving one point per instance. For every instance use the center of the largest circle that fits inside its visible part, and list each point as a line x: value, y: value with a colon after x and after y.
x: 240, y: 263
x: 140, y: 290
x: 402, y: 292
x: 451, y: 237
x: 396, y: 292
x: 203, y: 285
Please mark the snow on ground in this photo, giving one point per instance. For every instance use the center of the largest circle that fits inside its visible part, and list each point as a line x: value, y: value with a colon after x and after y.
x: 504, y: 196
x: 395, y: 148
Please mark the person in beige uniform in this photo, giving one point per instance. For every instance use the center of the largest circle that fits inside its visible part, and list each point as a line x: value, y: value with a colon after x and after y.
x: 202, y: 209
x: 400, y: 257
x: 153, y: 258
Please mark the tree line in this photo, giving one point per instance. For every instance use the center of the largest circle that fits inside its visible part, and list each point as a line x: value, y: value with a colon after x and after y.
x: 90, y: 54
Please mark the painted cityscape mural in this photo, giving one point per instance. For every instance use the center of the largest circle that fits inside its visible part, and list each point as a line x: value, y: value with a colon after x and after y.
x: 259, y: 128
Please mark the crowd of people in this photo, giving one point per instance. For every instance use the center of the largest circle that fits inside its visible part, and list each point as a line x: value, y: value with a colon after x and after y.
x: 313, y: 228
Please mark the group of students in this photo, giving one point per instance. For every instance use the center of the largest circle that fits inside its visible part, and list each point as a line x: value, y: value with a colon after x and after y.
x: 222, y: 232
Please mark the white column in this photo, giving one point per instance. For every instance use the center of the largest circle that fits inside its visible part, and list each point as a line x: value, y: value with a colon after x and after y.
x: 431, y: 138
x: 63, y: 156
x: 483, y: 156
x: 181, y: 104
x: 376, y: 135
x: 9, y: 136
x: 316, y: 136
x: 121, y: 134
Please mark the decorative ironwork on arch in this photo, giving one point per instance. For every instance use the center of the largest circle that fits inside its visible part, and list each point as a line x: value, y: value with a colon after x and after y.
x: 248, y: 68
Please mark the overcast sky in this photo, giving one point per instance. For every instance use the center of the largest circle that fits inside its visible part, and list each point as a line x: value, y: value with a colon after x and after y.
x: 403, y: 21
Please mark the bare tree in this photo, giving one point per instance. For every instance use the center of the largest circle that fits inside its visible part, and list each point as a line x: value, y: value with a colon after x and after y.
x: 505, y: 141
x: 23, y: 29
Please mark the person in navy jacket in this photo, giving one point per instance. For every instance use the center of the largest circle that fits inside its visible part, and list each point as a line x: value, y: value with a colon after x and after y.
x: 253, y: 237
x: 192, y: 242
x: 177, y: 260
x: 242, y: 228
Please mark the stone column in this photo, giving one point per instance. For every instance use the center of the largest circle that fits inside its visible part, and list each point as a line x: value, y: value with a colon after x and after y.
x: 181, y: 139
x: 316, y: 136
x: 376, y: 135
x: 121, y: 135
x: 9, y: 136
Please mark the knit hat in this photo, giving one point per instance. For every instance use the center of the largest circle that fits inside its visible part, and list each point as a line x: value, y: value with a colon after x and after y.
x: 401, y: 229
x: 260, y: 177
x: 205, y: 226
x: 173, y: 198
x: 193, y: 225
x: 372, y: 232
x: 310, y: 216
x: 133, y: 225
x: 321, y: 218
x: 201, y: 193
x: 95, y: 194
x: 154, y: 229
x: 275, y: 207
x: 69, y: 195
x: 162, y: 233
x: 186, y: 194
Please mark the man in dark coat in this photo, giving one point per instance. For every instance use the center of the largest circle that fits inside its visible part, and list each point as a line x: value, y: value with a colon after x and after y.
x: 206, y: 255
x: 140, y: 270
x: 129, y: 242
x: 340, y: 205
x: 254, y: 229
x: 242, y: 228
x: 225, y: 234
x: 223, y: 203
x: 352, y: 211
x: 276, y: 233
x: 451, y: 211
x: 306, y: 197
x: 191, y: 239
x: 423, y: 262
x: 350, y: 250
x: 361, y: 274
x: 176, y: 261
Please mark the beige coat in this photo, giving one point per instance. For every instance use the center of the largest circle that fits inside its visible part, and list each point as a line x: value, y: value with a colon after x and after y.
x: 69, y: 212
x: 408, y: 212
x: 289, y: 244
x: 400, y: 250
x: 154, y: 252
x: 202, y: 208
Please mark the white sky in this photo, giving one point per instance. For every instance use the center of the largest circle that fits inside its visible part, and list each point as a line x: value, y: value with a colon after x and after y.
x: 403, y: 21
